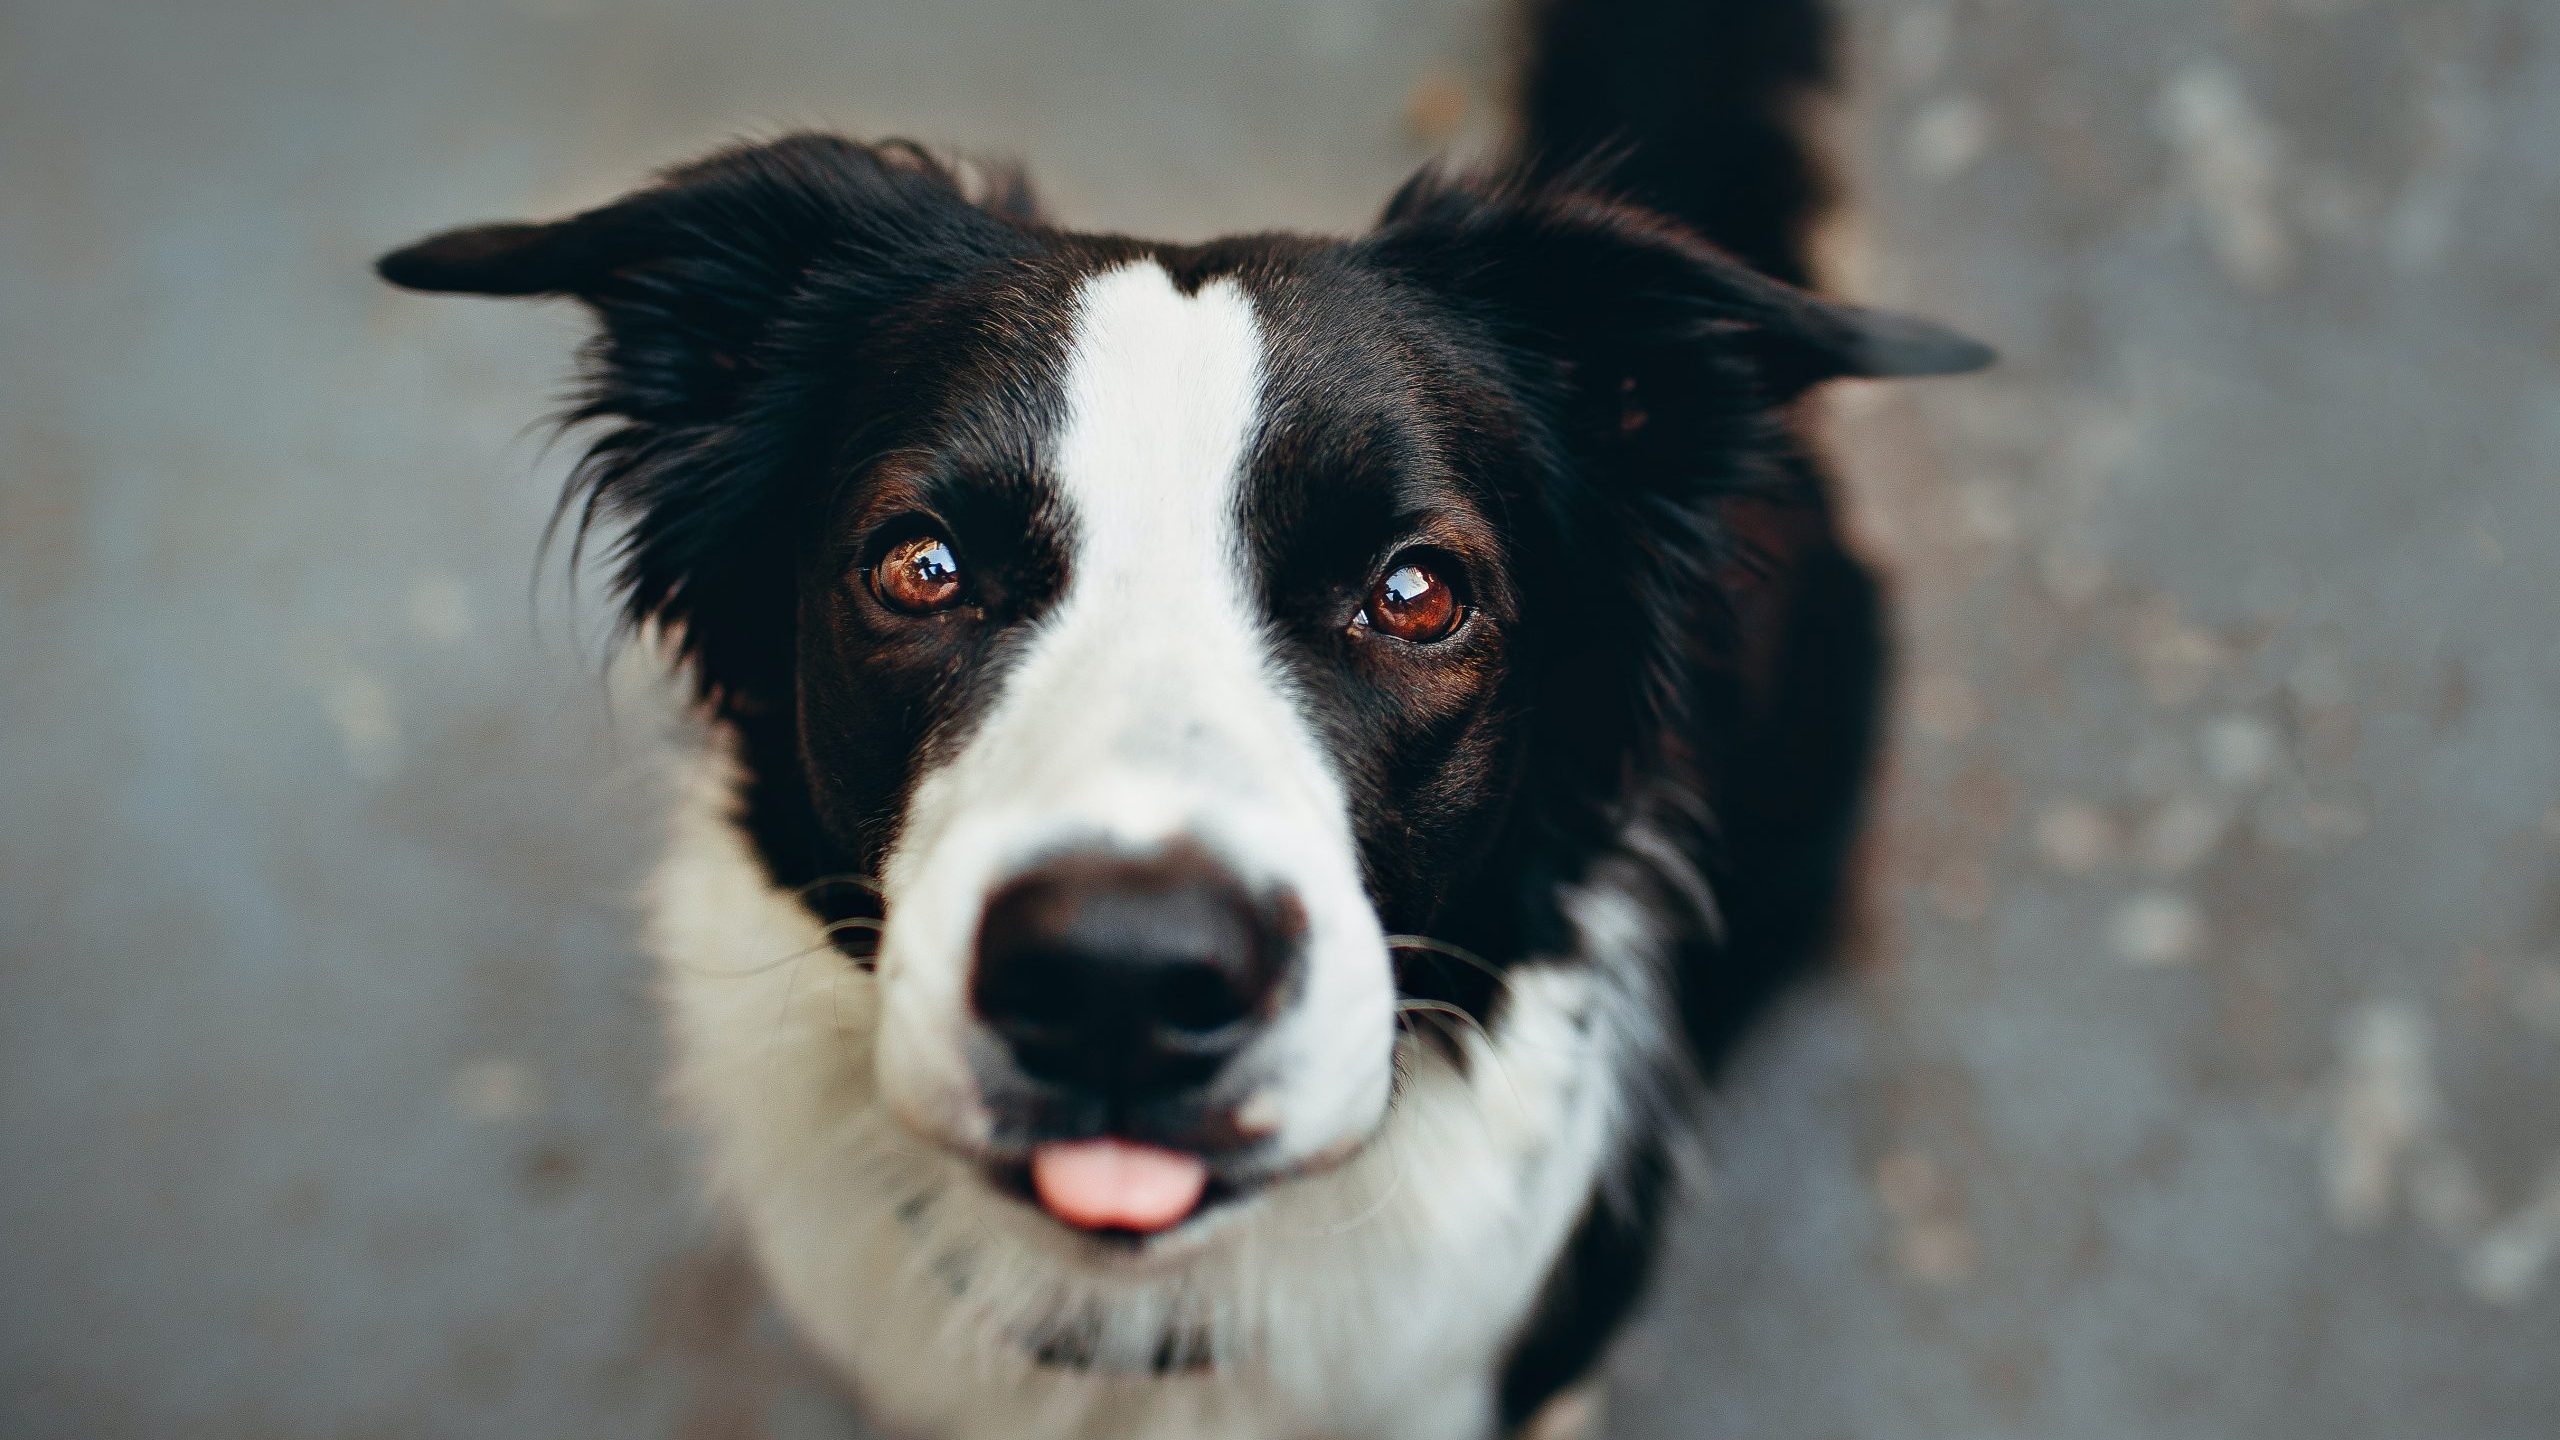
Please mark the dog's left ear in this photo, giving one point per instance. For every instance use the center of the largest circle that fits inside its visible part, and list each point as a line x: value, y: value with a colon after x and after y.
x: 723, y: 293
x: 1564, y: 269
x: 693, y: 276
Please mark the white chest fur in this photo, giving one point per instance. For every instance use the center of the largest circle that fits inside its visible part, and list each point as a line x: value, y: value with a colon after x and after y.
x: 1375, y: 1300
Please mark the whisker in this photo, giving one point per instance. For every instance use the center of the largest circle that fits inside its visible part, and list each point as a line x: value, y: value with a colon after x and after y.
x: 854, y: 925
x: 1443, y: 947
x: 1502, y: 980
x: 1415, y: 1005
x: 790, y: 983
x: 775, y: 1046
x: 835, y: 1015
x: 1377, y: 1207
x: 745, y: 972
x: 1492, y: 1052
x: 1388, y: 1138
x: 1447, y: 951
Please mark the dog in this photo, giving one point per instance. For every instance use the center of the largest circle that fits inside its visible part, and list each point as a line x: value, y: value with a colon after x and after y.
x: 1246, y: 786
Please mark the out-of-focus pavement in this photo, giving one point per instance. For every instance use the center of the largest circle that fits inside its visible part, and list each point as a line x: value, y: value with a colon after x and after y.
x: 2204, y: 1076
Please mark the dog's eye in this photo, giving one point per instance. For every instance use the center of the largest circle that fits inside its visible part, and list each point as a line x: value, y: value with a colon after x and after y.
x: 1412, y: 602
x: 918, y: 576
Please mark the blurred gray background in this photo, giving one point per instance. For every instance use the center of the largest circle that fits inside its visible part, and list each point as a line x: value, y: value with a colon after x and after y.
x: 2202, y: 1076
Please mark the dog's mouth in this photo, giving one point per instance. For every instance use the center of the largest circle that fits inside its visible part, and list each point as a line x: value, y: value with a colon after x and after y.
x: 1130, y: 1195
x: 1115, y: 1189
x: 1110, y: 1184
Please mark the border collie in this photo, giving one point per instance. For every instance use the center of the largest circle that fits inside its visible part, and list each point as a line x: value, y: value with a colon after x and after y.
x: 1247, y: 784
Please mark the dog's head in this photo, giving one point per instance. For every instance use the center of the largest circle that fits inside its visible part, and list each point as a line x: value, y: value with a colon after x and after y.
x: 1170, y: 629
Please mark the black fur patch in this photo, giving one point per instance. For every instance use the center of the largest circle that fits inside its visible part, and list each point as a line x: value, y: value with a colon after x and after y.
x: 1694, y: 110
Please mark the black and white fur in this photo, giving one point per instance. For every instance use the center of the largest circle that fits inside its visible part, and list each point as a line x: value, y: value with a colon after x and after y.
x: 1546, y: 870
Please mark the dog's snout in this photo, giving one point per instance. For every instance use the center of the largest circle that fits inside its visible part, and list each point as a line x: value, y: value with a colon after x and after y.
x: 1130, y: 979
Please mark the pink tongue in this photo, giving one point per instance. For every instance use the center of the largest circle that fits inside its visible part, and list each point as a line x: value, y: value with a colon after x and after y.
x: 1114, y: 1185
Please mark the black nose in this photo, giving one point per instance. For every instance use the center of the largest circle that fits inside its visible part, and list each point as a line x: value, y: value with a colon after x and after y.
x: 1131, y: 979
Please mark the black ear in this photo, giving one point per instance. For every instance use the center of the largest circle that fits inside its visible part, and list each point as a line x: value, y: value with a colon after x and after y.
x: 491, y: 260
x: 723, y: 292
x: 1577, y: 267
x: 1653, y: 372
x: 1821, y: 339
x: 694, y: 271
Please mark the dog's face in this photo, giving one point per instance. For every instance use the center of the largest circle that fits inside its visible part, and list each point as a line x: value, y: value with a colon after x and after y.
x: 1122, y: 654
x: 1171, y: 629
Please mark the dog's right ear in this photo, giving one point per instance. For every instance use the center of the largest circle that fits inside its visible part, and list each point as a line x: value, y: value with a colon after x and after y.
x: 719, y: 290
x: 1558, y: 268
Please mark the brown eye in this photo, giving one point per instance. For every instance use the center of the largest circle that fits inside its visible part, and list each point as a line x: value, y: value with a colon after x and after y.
x: 918, y: 576
x: 1413, y: 603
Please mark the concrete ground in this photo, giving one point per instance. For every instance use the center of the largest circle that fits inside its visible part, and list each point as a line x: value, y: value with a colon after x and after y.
x: 2203, y: 1078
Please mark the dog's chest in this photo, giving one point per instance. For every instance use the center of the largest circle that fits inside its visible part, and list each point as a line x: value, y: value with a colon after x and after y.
x: 1377, y: 1300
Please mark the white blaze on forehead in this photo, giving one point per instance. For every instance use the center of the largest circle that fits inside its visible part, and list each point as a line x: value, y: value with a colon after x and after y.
x: 1147, y: 704
x: 1162, y: 393
x: 1146, y: 690
x: 1159, y: 708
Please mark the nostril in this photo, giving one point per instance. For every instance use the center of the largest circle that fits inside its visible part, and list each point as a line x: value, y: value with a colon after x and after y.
x: 1200, y: 1000
x: 1029, y: 991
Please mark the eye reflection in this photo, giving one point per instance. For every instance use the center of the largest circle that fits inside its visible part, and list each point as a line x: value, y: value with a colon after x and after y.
x: 918, y: 576
x: 1412, y: 603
